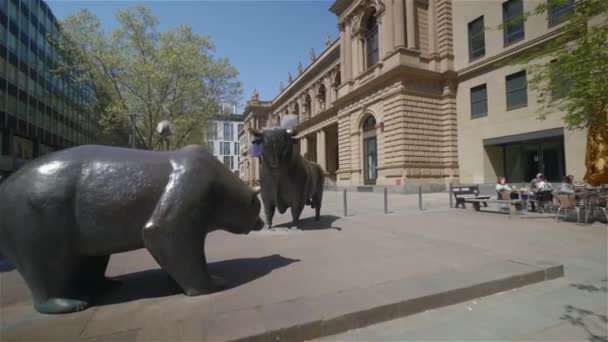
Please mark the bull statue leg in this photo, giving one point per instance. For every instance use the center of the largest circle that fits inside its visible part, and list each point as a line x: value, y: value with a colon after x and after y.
x: 316, y: 202
x: 269, y: 211
x: 296, y: 211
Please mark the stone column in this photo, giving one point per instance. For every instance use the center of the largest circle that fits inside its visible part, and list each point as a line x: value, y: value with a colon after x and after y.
x: 399, y: 23
x: 432, y: 26
x: 321, y: 156
x: 410, y: 22
x: 348, y: 60
x: 303, y: 146
x: 386, y: 29
x: 342, y: 51
x: 355, y: 55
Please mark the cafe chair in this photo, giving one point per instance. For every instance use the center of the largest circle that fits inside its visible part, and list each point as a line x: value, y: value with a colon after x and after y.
x: 567, y: 203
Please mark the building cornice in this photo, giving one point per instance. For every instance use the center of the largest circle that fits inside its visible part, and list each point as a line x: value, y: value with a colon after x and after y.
x: 330, y: 56
x: 396, y: 73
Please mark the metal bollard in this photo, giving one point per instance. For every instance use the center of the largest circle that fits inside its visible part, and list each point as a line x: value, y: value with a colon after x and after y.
x: 420, y: 197
x: 450, y: 194
x: 345, y: 203
x: 385, y: 200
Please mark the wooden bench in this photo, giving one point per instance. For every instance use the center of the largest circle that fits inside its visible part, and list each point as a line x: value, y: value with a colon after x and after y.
x: 468, y: 193
x: 513, y: 204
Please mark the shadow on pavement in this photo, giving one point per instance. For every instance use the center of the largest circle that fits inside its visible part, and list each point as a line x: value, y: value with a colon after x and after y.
x: 309, y: 223
x: 594, y: 324
x: 157, y: 283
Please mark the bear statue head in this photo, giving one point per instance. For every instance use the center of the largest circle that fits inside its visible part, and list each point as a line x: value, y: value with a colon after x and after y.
x: 236, y: 206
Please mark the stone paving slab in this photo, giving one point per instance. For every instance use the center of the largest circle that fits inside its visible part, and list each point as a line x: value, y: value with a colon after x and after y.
x: 326, y: 278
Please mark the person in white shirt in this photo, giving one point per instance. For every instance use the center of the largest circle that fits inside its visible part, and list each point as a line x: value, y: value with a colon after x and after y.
x: 501, y: 185
x: 543, y: 185
x: 566, y: 186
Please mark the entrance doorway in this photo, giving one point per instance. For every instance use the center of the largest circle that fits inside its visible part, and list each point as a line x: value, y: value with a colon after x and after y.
x: 371, y: 160
x: 370, y: 151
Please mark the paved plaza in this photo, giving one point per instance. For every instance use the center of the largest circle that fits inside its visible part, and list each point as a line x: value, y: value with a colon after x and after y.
x: 331, y: 277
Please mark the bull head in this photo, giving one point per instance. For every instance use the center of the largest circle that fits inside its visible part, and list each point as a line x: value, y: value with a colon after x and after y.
x: 275, y: 146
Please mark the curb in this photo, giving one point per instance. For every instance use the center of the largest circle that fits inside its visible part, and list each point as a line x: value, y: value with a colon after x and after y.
x: 355, y: 320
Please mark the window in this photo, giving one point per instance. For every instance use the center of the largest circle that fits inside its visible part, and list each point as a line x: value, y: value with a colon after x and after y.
x: 559, y: 10
x: 369, y: 124
x: 2, y: 31
x: 226, y: 148
x: 212, y: 131
x: 371, y: 41
x: 479, y: 101
x: 211, y: 146
x: 227, y: 162
x: 12, y: 11
x: 560, y: 85
x: 517, y: 90
x: 477, y: 44
x: 12, y: 42
x: 227, y: 131
x: 513, y: 21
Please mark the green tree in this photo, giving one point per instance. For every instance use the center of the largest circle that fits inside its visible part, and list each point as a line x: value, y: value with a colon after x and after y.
x: 569, y: 72
x: 142, y: 76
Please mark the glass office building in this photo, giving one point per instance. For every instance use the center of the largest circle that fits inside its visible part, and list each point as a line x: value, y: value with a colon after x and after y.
x: 40, y: 112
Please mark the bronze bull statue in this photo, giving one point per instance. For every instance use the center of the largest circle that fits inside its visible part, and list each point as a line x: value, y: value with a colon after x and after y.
x: 286, y: 178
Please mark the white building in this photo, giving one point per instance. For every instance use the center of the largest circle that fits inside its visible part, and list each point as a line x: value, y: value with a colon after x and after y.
x: 223, y: 137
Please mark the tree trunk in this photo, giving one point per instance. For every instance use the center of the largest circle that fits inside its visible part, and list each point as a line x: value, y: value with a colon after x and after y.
x: 596, y: 159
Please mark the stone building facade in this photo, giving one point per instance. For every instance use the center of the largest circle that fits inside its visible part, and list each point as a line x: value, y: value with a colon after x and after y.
x: 389, y: 102
x: 499, y: 133
x: 378, y: 106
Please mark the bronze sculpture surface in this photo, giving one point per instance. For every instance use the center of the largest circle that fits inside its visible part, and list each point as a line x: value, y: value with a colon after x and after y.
x: 63, y: 215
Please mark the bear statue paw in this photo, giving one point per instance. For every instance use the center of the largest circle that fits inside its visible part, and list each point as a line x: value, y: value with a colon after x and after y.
x: 60, y: 305
x: 217, y: 284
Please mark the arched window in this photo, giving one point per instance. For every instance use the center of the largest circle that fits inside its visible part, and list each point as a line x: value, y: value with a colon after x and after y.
x: 296, y: 109
x: 371, y: 40
x: 369, y: 123
x: 336, y: 84
x: 322, y: 96
x: 307, y: 105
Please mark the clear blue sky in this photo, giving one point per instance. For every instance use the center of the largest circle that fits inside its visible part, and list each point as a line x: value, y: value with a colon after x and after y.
x: 263, y: 39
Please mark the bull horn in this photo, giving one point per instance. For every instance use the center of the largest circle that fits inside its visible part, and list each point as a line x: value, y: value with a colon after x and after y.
x: 254, y: 131
x: 257, y: 189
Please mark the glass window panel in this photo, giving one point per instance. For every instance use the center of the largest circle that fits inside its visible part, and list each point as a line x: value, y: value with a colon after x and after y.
x: 12, y: 42
x: 2, y: 33
x: 559, y: 10
x: 227, y: 131
x: 476, y: 38
x: 513, y: 163
x: 513, y: 11
x: 516, y: 90
x: 11, y: 104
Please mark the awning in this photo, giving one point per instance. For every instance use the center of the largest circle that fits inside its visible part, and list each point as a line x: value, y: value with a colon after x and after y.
x: 537, y: 135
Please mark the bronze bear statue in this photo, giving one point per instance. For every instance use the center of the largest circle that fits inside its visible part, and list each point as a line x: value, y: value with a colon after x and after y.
x: 62, y: 216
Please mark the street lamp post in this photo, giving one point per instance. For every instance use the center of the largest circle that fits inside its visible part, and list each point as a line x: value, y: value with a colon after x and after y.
x: 164, y: 128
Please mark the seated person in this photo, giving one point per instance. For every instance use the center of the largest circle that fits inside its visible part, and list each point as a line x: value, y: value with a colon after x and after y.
x: 541, y: 184
x: 502, y: 186
x: 566, y: 187
x: 534, y: 181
